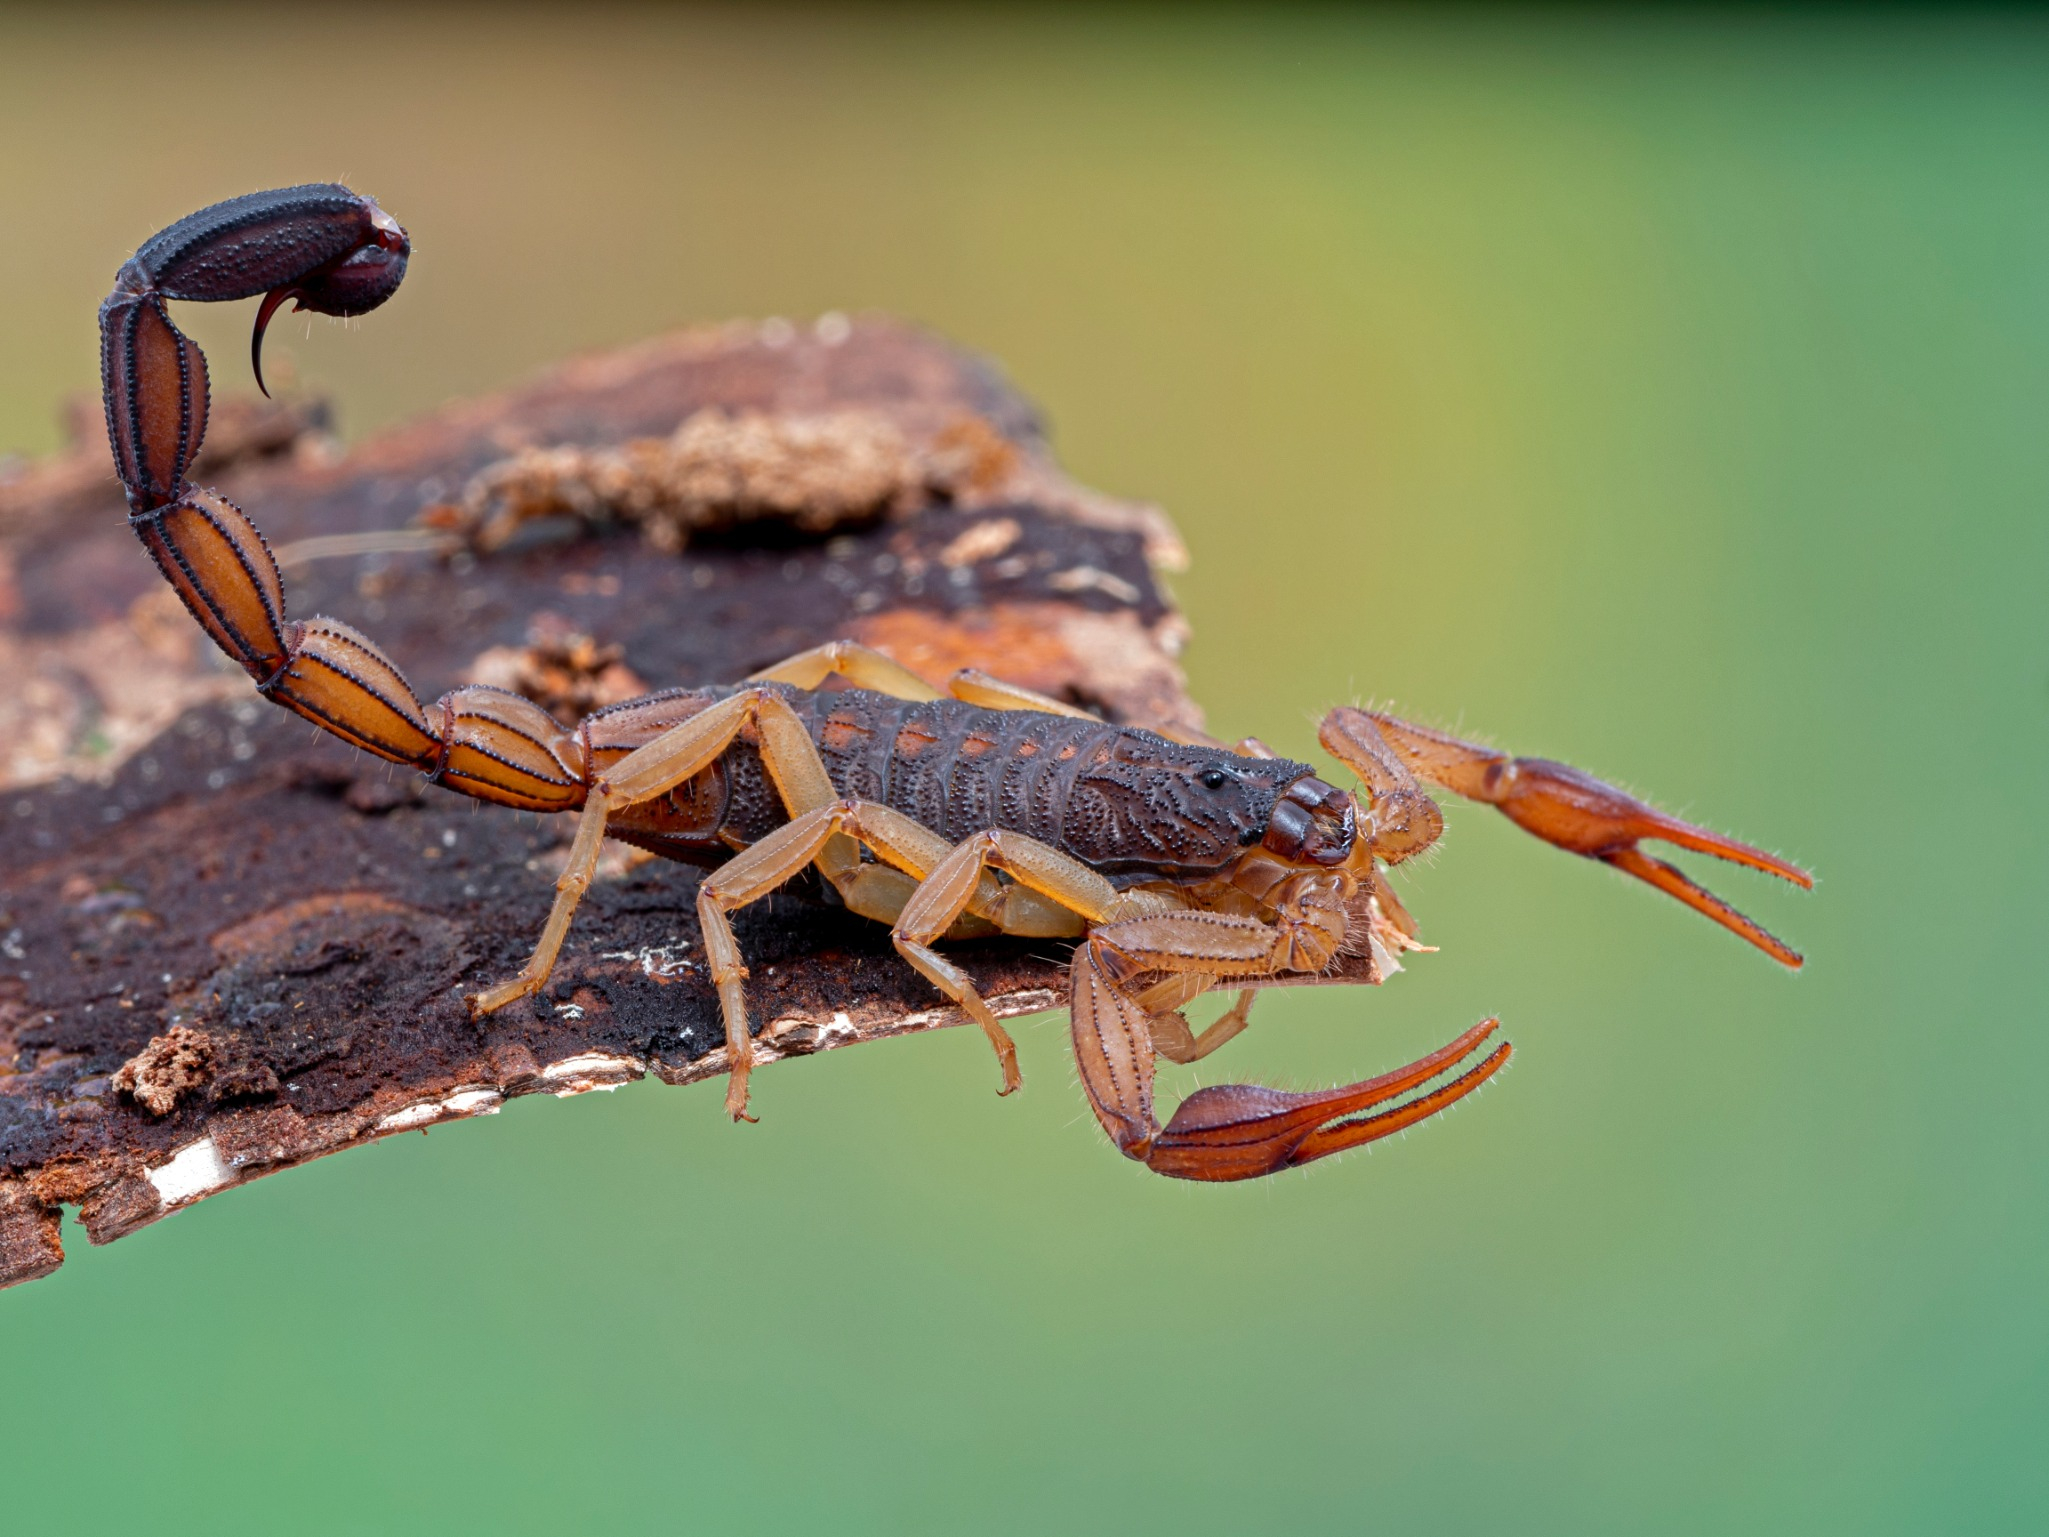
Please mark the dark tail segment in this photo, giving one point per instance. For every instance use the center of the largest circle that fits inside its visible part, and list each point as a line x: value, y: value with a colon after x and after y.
x: 337, y: 253
x: 485, y: 742
x: 259, y: 241
x: 154, y: 379
x: 323, y: 246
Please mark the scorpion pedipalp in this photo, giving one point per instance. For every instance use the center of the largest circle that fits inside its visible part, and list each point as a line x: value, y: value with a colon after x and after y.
x: 1241, y: 1131
x: 1572, y: 810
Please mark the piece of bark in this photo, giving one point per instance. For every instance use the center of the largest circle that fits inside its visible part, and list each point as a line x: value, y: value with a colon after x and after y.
x: 228, y: 943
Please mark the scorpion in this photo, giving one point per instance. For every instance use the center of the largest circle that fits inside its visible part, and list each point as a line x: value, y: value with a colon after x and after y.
x: 1174, y: 864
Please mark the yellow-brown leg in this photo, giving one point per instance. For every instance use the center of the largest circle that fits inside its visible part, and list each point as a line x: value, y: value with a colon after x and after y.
x: 974, y: 686
x: 1113, y: 1051
x: 570, y: 886
x: 1173, y: 1039
x: 1052, y: 896
x: 1039, y: 873
x: 652, y: 770
x: 801, y: 780
x: 776, y: 859
x: 658, y: 767
x: 880, y: 892
x: 860, y: 665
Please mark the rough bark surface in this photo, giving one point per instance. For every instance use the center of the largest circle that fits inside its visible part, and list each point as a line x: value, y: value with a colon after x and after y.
x: 229, y: 943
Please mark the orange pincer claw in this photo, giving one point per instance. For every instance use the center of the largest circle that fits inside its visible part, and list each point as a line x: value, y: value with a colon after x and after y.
x: 1242, y: 1131
x: 1581, y: 814
x: 1589, y: 816
x: 1558, y: 803
x: 1674, y: 882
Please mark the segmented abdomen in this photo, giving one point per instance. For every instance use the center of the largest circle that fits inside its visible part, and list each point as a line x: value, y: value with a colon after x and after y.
x: 953, y: 767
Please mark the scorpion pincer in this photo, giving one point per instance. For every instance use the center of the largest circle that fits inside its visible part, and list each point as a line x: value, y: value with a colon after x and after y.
x: 1175, y: 865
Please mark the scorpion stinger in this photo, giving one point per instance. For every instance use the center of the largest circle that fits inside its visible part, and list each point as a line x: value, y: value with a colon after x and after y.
x: 264, y: 311
x: 332, y: 250
x: 1174, y: 866
x: 354, y: 283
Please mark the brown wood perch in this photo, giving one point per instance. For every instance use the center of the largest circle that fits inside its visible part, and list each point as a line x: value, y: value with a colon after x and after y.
x: 228, y: 945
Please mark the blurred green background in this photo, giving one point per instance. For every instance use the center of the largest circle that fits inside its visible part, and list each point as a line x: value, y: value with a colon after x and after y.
x: 1664, y: 394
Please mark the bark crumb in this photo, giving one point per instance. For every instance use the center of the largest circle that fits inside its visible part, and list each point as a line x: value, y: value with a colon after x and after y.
x: 170, y: 1066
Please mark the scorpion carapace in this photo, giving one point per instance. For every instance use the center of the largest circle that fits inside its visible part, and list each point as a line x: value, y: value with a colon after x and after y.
x: 1175, y: 866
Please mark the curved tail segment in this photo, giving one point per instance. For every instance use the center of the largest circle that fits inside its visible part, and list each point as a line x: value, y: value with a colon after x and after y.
x: 335, y: 252
x: 326, y: 248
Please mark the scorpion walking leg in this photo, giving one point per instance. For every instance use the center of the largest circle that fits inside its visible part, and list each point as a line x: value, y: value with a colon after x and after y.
x: 873, y: 891
x: 761, y: 868
x: 669, y: 760
x: 860, y: 665
x: 1565, y: 807
x: 650, y: 771
x: 1174, y: 1040
x: 1054, y: 895
x: 1052, y: 891
x: 977, y: 687
x: 570, y: 886
x: 1171, y: 1034
x: 801, y: 780
x: 679, y: 754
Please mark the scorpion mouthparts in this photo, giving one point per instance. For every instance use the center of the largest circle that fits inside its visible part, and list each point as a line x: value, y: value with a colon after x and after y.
x: 1313, y: 823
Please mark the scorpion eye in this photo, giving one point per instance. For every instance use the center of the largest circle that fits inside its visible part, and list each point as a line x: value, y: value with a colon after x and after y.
x: 1214, y: 778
